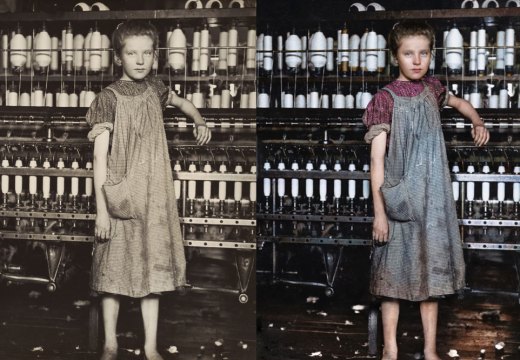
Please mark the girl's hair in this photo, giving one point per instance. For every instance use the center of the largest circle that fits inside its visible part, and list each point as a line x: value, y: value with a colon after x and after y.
x: 133, y: 28
x: 409, y: 28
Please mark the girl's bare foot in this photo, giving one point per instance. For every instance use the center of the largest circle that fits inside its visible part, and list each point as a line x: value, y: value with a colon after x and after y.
x: 109, y: 354
x: 389, y: 355
x: 431, y: 355
x: 152, y: 355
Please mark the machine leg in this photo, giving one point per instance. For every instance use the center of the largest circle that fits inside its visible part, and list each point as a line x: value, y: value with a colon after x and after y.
x: 54, y: 253
x: 274, y: 268
x: 516, y: 256
x: 245, y: 263
x: 331, y: 260
x: 93, y: 325
x: 373, y: 319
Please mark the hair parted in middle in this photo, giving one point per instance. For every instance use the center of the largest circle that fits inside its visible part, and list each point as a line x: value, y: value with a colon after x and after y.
x: 133, y: 28
x: 409, y: 28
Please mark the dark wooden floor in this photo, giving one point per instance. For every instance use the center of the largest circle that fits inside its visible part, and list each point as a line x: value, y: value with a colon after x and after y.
x: 200, y: 324
x: 290, y: 326
x: 210, y: 325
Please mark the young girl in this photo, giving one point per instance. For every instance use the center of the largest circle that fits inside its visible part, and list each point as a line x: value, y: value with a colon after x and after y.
x: 141, y: 256
x: 418, y: 253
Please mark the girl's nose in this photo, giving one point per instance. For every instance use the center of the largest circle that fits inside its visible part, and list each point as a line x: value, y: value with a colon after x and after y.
x: 417, y: 59
x: 140, y: 59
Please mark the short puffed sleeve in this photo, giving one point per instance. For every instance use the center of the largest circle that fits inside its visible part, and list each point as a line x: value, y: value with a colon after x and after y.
x: 378, y: 115
x: 162, y: 90
x: 101, y: 114
x: 439, y: 90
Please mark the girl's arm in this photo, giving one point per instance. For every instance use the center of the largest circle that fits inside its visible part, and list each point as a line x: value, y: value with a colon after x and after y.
x: 201, y: 131
x: 100, y: 175
x: 377, y: 174
x: 479, y: 132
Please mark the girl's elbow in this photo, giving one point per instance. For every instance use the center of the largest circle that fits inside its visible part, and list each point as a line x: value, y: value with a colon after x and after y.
x: 458, y: 103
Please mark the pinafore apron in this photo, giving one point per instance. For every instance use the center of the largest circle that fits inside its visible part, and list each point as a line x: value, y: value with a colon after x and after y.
x: 144, y: 255
x: 423, y: 258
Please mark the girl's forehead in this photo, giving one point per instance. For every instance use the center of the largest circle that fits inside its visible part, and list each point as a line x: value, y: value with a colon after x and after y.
x: 414, y: 40
x: 138, y: 41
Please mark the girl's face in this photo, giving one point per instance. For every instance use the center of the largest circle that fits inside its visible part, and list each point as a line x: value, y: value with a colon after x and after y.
x: 137, y: 56
x: 413, y: 57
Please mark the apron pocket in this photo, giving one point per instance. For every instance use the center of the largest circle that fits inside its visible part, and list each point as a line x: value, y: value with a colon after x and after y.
x: 397, y: 201
x: 119, y: 199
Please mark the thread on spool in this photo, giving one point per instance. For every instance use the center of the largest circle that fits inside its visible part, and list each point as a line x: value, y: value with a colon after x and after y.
x: 490, y: 4
x: 81, y: 6
x: 371, y: 54
x: 293, y: 47
x: 469, y: 4
x: 513, y: 3
x: 237, y: 4
x: 357, y: 7
x: 251, y: 50
x: 18, y: 46
x: 99, y: 6
x: 233, y: 51
x: 214, y: 4
x: 177, y: 51
x: 42, y: 48
x: 354, y: 42
x: 375, y: 7
x: 222, y: 51
x: 193, y: 4
x: 78, y: 43
x: 318, y: 49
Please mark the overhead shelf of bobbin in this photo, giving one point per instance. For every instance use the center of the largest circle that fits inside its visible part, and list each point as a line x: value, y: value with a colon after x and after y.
x: 244, y: 16
x: 436, y: 14
x: 344, y: 61
x: 203, y: 50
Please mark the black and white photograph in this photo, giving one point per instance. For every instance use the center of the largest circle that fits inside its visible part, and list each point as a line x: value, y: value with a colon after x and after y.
x: 128, y: 176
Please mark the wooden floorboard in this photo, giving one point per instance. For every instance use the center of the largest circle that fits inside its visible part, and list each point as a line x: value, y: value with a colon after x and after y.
x: 281, y: 325
x: 290, y: 327
x: 202, y: 325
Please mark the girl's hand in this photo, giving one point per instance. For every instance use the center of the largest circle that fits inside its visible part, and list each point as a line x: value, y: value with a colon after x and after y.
x: 202, y: 134
x: 480, y: 134
x: 380, y: 230
x: 102, y: 227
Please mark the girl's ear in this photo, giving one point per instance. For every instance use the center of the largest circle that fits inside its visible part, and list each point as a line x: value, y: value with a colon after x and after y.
x: 117, y: 60
x: 156, y: 53
x: 393, y: 60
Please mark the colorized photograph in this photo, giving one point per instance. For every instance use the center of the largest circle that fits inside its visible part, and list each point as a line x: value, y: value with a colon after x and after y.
x: 388, y: 180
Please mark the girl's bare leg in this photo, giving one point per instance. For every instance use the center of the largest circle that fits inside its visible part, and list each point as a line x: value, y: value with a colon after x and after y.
x: 390, y: 315
x: 429, y: 311
x: 150, y: 312
x: 110, y: 307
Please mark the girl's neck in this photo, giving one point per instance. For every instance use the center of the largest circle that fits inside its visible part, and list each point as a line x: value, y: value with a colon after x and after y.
x: 132, y: 80
x: 409, y: 80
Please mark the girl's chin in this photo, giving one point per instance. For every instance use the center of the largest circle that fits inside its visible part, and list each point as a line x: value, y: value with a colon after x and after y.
x: 137, y: 77
x: 413, y: 77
